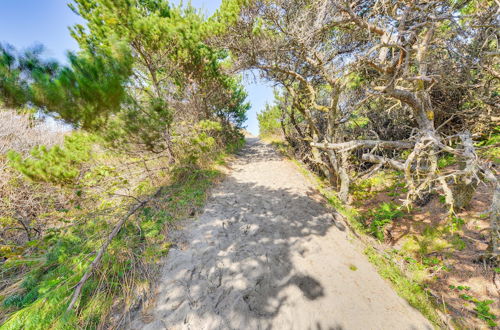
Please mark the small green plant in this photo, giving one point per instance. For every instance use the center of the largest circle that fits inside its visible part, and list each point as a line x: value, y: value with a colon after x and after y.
x: 456, y: 224
x: 357, y: 120
x: 432, y: 261
x: 459, y: 287
x: 353, y: 268
x: 466, y: 297
x: 446, y: 161
x: 491, y: 147
x: 269, y: 121
x: 458, y: 243
x: 482, y: 308
x: 381, y: 217
x: 397, y: 189
x: 355, y: 80
x: 483, y: 312
x: 367, y: 188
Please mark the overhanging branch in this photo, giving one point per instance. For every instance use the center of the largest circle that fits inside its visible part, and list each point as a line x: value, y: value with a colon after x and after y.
x: 351, y: 145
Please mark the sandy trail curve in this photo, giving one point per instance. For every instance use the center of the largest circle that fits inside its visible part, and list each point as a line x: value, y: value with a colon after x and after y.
x: 265, y: 254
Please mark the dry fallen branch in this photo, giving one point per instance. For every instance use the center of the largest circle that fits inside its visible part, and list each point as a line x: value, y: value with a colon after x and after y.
x: 95, y: 263
x: 383, y: 161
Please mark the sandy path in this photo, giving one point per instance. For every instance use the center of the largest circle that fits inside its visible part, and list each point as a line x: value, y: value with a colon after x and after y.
x: 266, y: 255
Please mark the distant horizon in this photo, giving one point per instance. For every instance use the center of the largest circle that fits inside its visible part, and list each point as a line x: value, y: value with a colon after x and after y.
x: 33, y: 22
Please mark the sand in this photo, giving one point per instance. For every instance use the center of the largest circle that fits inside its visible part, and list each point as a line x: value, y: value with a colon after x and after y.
x: 267, y: 254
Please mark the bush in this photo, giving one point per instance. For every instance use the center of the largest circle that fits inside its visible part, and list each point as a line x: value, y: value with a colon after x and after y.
x: 269, y: 121
x: 58, y: 164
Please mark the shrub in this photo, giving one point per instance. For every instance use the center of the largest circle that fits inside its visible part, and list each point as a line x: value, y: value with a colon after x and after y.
x: 58, y: 164
x: 269, y: 121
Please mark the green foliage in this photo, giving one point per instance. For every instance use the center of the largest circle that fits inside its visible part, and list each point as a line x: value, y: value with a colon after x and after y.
x: 143, y: 67
x: 406, y: 288
x: 200, y: 142
x: 483, y: 312
x: 57, y: 165
x: 381, y: 217
x: 42, y: 298
x: 446, y: 161
x: 458, y: 243
x: 492, y: 140
x: 89, y: 90
x: 173, y: 61
x: 482, y: 308
x: 13, y: 91
x: 354, y: 80
x: 225, y: 16
x: 357, y: 120
x: 380, y: 181
x: 431, y: 240
x: 459, y: 287
x: 269, y: 121
x: 169, y: 50
x: 233, y: 106
x: 491, y: 146
x: 144, y: 125
x: 15, y: 71
x: 456, y: 224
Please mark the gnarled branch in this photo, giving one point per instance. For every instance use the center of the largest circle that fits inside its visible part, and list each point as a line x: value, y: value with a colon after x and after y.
x: 356, y: 144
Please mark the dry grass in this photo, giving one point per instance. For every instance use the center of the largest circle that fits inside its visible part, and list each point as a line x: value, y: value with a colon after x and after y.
x: 50, y: 231
x: 20, y: 132
x: 19, y: 199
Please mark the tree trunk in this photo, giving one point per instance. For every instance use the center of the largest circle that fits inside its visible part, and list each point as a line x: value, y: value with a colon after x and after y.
x: 344, y: 178
x: 466, y: 185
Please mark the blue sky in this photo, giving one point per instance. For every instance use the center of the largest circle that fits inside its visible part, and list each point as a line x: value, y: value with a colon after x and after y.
x: 24, y: 23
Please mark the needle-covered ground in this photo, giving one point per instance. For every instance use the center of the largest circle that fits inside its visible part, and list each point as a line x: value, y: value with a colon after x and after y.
x: 267, y: 254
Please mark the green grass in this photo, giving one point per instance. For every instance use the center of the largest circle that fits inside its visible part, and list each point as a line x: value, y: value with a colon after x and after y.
x: 407, y: 285
x: 490, y: 147
x: 368, y: 188
x: 410, y: 290
x: 483, y: 312
x: 46, y: 290
x: 130, y: 263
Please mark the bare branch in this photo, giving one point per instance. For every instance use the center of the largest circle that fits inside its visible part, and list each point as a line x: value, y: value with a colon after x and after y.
x: 356, y: 144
